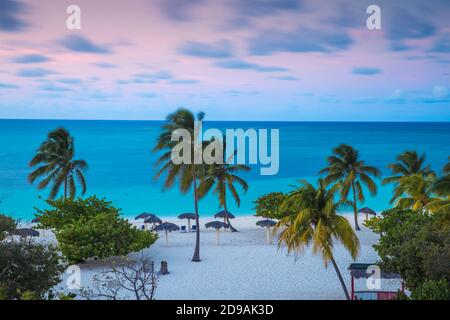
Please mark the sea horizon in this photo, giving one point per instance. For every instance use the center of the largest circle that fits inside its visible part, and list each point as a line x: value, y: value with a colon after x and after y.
x: 121, y: 162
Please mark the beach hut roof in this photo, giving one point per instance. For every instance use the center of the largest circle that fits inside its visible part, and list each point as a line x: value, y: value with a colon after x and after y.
x: 26, y: 232
x: 359, y: 270
x: 186, y: 215
x: 153, y: 219
x: 167, y: 226
x: 144, y: 215
x: 266, y: 223
x: 216, y: 225
x: 224, y: 214
x: 368, y: 211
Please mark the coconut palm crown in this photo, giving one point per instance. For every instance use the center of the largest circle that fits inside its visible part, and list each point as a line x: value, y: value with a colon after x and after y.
x: 350, y: 172
x: 315, y: 222
x: 56, y: 165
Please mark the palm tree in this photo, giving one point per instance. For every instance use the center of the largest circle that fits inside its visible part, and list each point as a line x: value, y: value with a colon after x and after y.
x: 442, y: 189
x: 223, y: 176
x: 349, y: 172
x: 315, y: 221
x: 408, y: 163
x: 57, y: 166
x: 188, y: 174
x: 414, y: 192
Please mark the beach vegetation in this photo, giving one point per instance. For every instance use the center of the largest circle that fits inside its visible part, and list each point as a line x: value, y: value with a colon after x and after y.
x: 350, y: 173
x: 408, y: 163
x: 432, y: 290
x: 126, y: 279
x: 414, y: 191
x: 188, y: 174
x: 92, y: 228
x: 315, y: 221
x: 269, y: 205
x: 222, y: 177
x: 28, y: 270
x: 7, y: 225
x: 57, y: 167
x: 414, y: 244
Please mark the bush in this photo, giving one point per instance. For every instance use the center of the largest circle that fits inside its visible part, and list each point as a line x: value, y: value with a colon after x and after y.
x: 432, y: 290
x: 28, y: 270
x: 414, y: 244
x: 7, y: 225
x: 92, y: 228
x: 268, y: 205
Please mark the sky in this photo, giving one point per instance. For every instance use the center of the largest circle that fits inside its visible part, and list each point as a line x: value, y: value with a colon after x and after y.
x: 297, y: 60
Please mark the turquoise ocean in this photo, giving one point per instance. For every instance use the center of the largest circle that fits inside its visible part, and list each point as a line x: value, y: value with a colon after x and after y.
x: 121, y: 161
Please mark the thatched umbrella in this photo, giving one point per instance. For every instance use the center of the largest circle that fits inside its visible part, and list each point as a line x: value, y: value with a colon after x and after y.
x: 266, y: 223
x: 224, y: 214
x: 189, y: 217
x: 217, y: 225
x: 367, y: 211
x: 26, y: 232
x: 148, y: 218
x: 167, y: 227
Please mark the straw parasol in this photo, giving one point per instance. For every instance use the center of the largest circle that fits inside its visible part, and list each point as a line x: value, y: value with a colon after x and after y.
x: 167, y: 227
x: 26, y: 232
x: 217, y: 225
x: 189, y: 217
x: 149, y: 218
x: 224, y: 214
x: 367, y: 211
x: 267, y: 223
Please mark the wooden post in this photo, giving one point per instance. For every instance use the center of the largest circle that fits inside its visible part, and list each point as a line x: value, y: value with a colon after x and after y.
x: 167, y: 238
x: 217, y: 236
x: 189, y: 225
x: 268, y: 235
x: 353, y: 288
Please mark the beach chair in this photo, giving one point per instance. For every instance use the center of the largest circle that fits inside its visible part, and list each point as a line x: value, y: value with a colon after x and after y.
x: 183, y: 229
x: 194, y: 228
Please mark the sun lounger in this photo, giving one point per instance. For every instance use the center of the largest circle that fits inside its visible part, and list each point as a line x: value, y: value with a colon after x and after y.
x: 183, y: 229
x: 194, y: 228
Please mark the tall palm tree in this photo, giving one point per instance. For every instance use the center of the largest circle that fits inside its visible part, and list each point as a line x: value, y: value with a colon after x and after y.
x: 223, y: 176
x: 350, y: 173
x: 415, y: 192
x: 314, y: 220
x: 408, y: 163
x: 57, y: 166
x: 188, y: 175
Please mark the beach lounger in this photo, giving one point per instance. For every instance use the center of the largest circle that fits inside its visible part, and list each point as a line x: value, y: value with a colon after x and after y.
x: 194, y: 228
x: 183, y: 229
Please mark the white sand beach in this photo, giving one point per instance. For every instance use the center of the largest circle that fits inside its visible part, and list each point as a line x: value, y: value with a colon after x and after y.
x: 243, y: 266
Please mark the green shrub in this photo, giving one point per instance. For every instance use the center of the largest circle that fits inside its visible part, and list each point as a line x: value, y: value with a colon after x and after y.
x: 28, y: 270
x: 432, y: 290
x: 414, y: 244
x: 7, y: 225
x: 268, y: 205
x: 92, y: 228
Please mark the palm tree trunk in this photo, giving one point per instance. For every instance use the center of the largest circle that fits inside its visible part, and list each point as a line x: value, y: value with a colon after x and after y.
x: 196, y: 257
x: 233, y: 229
x: 344, y: 287
x: 355, y: 209
x: 65, y: 187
